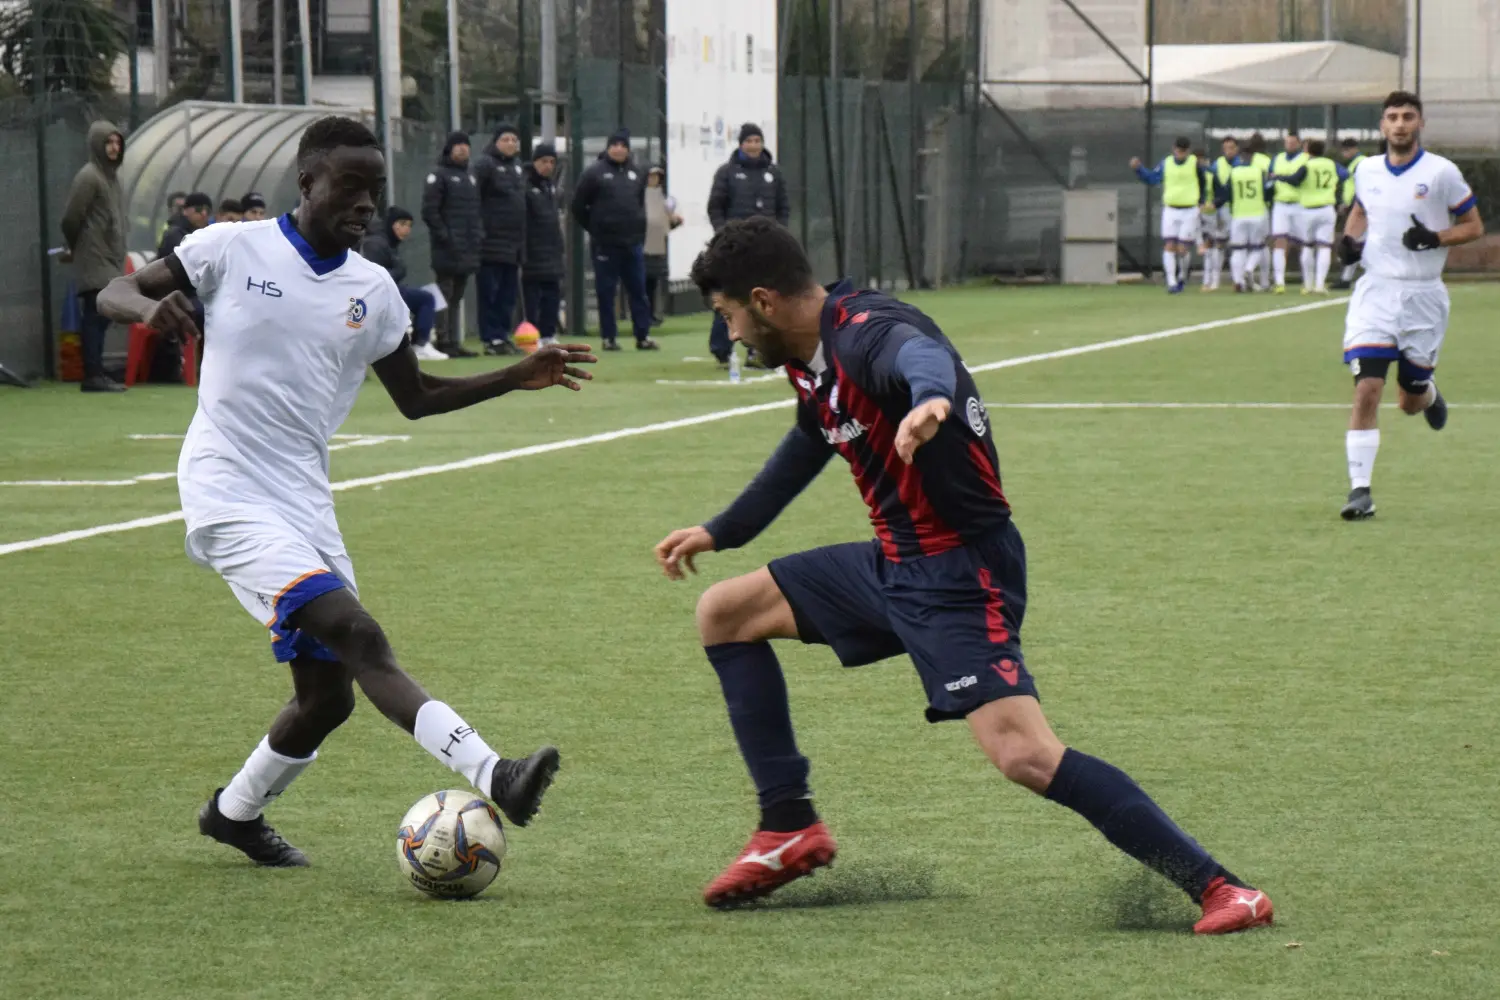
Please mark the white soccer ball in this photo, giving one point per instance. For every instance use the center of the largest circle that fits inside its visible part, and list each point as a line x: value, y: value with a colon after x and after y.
x: 450, y: 844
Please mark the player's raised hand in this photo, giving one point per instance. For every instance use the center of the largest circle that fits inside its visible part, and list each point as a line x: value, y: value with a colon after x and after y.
x: 919, y: 427
x: 172, y: 315
x: 678, y: 549
x: 554, y: 365
x: 1135, y: 163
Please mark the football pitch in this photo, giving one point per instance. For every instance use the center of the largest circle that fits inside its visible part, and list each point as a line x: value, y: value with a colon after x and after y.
x: 1314, y: 700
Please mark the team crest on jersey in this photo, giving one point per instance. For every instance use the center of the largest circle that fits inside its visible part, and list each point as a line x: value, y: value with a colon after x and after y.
x: 1421, y: 191
x: 978, y: 416
x: 357, y: 312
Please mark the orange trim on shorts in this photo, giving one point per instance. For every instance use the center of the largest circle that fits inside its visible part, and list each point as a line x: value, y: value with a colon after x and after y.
x: 305, y: 576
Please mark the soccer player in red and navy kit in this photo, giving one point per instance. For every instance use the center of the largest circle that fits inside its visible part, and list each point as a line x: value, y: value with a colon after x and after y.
x: 944, y: 579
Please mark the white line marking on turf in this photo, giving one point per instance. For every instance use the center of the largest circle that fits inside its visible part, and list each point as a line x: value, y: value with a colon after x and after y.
x: 666, y: 425
x: 348, y: 441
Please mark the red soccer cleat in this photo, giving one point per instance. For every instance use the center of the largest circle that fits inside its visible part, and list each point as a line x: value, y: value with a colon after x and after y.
x: 770, y: 861
x: 1229, y: 908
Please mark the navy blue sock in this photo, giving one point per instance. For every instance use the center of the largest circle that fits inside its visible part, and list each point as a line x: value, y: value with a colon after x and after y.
x: 1105, y: 796
x: 755, y: 693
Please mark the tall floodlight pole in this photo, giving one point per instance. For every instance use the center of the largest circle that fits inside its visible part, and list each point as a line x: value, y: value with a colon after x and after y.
x: 236, y: 53
x: 549, y: 71
x: 161, y: 51
x: 454, y: 103
x: 278, y: 43
x: 304, y: 32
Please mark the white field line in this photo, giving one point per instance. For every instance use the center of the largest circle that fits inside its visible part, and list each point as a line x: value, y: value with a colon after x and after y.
x: 667, y: 425
x: 350, y: 441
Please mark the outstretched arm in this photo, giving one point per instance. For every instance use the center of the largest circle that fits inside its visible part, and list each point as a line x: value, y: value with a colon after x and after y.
x: 156, y: 295
x: 794, y: 464
x: 418, y: 394
x: 1152, y: 175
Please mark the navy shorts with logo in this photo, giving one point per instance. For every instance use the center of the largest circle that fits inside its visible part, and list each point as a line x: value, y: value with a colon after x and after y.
x: 956, y: 614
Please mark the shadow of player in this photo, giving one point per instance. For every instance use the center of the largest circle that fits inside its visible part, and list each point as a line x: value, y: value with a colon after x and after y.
x: 855, y: 885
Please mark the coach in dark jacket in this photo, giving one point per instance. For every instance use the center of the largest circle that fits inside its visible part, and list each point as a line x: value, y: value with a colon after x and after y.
x: 450, y: 208
x: 502, y: 197
x: 610, y: 204
x: 541, y: 287
x: 749, y: 184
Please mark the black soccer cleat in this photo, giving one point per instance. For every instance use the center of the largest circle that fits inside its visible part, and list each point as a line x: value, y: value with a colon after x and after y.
x: 646, y: 344
x: 611, y: 345
x: 1437, y: 413
x: 518, y: 785
x: 256, y: 838
x: 1359, y: 506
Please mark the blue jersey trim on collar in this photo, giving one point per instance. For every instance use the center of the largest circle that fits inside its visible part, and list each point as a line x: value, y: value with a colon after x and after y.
x: 1398, y: 171
x: 320, y: 265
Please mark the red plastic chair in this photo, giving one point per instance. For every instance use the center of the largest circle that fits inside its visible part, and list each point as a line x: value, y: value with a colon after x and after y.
x: 141, y: 348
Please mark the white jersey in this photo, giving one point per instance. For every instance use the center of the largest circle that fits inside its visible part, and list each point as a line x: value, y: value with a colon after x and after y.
x: 1431, y: 188
x: 288, y: 337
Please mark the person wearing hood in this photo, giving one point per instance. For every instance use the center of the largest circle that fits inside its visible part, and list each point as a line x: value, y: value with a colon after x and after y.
x: 502, y: 198
x: 661, y: 219
x: 610, y: 204
x: 451, y: 210
x: 542, y: 279
x: 383, y: 247
x: 197, y: 211
x: 93, y: 228
x: 750, y: 184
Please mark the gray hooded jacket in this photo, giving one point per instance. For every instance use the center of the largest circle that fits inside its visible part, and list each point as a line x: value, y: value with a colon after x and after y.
x: 93, y: 224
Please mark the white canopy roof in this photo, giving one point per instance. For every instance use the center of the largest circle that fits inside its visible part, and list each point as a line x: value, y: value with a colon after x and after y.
x: 1273, y: 73
x: 1269, y: 74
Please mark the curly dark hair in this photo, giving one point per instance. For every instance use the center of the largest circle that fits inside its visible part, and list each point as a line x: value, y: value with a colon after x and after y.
x: 752, y: 253
x: 327, y: 134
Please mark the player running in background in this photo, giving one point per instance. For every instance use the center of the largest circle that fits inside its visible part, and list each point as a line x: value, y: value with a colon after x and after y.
x: 1410, y: 206
x: 1351, y: 156
x: 1244, y: 191
x: 943, y: 581
x: 1317, y: 182
x: 1181, y: 178
x: 294, y: 317
x: 1286, y: 208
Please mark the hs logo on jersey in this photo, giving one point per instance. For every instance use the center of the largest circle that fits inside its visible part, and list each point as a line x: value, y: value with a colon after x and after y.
x: 266, y: 288
x: 357, y: 312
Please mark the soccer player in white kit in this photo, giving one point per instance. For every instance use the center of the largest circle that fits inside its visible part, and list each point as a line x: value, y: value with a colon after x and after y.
x: 293, y: 319
x: 1410, y: 205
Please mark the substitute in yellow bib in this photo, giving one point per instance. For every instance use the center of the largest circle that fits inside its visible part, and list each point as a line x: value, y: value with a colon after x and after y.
x: 1216, y: 216
x: 1317, y: 183
x: 1286, y: 208
x: 1182, y: 192
x: 1243, y: 190
x: 1260, y: 158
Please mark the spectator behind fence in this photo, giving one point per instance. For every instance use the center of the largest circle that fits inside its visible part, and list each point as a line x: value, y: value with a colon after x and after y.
x: 254, y: 207
x: 93, y: 226
x: 384, y: 248
x: 661, y: 218
x: 196, y: 211
x: 502, y: 197
x: 451, y: 210
x: 610, y: 204
x: 541, y: 287
x: 750, y: 184
x: 230, y: 210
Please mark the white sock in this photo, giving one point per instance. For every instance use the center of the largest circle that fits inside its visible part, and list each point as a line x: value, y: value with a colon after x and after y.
x: 1218, y: 265
x: 1361, y: 447
x: 1256, y: 264
x: 266, y: 774
x: 1208, y: 266
x: 454, y: 742
x: 1237, y: 266
x: 1349, y: 272
x: 1278, y: 265
x: 1169, y: 264
x: 1324, y: 258
x: 1305, y: 261
x: 1185, y: 264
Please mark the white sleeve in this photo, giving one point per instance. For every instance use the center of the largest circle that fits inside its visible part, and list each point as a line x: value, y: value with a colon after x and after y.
x: 391, y: 322
x: 202, y: 257
x: 1457, y: 194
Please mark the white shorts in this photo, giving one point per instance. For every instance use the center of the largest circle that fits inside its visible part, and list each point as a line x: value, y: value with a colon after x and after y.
x: 274, y: 570
x: 1221, y: 223
x: 1179, y: 224
x: 1246, y: 234
x: 1401, y: 321
x: 1315, y: 226
x: 1286, y: 219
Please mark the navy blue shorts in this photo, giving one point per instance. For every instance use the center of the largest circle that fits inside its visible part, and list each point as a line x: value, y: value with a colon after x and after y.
x: 957, y: 614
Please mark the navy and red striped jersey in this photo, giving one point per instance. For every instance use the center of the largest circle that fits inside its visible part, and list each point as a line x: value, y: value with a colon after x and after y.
x: 854, y: 397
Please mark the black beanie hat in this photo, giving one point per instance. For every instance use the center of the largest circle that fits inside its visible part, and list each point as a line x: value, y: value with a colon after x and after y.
x: 455, y: 139
x: 750, y: 130
x: 621, y: 137
x: 505, y: 128
x: 543, y: 149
